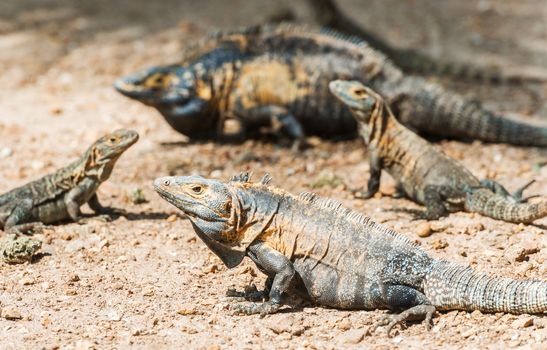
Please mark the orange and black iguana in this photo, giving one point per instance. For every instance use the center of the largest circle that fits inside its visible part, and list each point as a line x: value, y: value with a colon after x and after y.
x: 279, y: 75
x: 334, y: 256
x: 423, y: 172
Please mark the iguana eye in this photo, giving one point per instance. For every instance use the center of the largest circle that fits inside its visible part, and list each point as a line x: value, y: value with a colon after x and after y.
x: 197, y: 189
x: 112, y: 139
x: 359, y: 92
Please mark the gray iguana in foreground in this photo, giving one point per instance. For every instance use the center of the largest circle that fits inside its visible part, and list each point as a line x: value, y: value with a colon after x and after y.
x: 333, y: 256
x: 423, y: 172
x: 58, y: 196
x: 278, y: 76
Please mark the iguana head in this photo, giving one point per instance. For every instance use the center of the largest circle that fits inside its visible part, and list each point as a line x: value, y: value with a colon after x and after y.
x: 102, y: 155
x: 361, y: 100
x: 175, y: 92
x: 222, y: 215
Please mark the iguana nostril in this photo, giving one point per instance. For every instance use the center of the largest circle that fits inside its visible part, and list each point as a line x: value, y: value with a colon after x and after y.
x: 166, y: 182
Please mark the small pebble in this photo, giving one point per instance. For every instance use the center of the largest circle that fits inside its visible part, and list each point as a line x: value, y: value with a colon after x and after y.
x: 11, y: 313
x: 522, y: 323
x: 424, y: 229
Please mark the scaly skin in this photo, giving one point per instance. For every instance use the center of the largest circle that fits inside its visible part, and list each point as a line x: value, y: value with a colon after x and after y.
x: 423, y: 172
x: 279, y: 75
x: 485, y: 202
x: 334, y: 256
x: 58, y: 196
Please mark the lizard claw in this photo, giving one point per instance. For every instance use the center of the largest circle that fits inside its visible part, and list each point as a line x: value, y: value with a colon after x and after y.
x: 363, y: 194
x: 101, y: 217
x: 390, y: 321
x: 262, y: 309
x: 251, y: 293
x: 31, y: 228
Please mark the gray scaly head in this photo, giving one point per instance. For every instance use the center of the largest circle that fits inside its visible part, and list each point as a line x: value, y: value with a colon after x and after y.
x: 223, y: 214
x: 208, y: 204
x: 173, y: 91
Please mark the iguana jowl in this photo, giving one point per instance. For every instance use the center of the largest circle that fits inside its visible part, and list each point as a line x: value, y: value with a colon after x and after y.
x: 423, y: 172
x: 58, y: 196
x: 279, y: 75
x: 334, y: 256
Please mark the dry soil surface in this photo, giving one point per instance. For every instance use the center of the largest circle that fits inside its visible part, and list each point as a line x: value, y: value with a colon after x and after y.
x: 145, y: 280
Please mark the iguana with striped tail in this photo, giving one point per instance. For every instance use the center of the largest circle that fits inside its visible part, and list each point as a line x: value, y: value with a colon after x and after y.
x: 333, y: 256
x: 423, y: 172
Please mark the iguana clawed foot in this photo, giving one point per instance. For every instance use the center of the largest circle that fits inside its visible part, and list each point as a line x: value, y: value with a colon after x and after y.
x: 101, y: 218
x: 30, y: 228
x: 416, y: 312
x: 358, y: 194
x: 262, y: 309
x: 251, y: 293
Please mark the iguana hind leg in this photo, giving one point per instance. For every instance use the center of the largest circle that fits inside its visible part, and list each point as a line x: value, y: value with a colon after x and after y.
x: 395, y: 295
x: 418, y: 312
x: 29, y: 228
x: 16, y: 220
x: 517, y: 195
x: 500, y: 190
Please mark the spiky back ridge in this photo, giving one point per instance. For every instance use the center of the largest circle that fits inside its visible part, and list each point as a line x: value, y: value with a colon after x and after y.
x: 332, y: 206
x: 355, y: 217
x: 251, y: 39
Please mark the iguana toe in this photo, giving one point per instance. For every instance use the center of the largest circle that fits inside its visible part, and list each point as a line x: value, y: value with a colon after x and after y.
x: 417, y: 312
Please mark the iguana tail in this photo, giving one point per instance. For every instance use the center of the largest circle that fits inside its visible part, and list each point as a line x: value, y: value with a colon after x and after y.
x: 486, y: 202
x: 450, y: 286
x: 414, y: 62
x: 429, y: 108
x: 327, y: 13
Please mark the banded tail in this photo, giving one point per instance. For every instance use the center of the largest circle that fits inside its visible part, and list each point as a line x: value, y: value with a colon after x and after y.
x: 436, y: 111
x: 450, y: 286
x: 487, y: 203
x: 328, y: 14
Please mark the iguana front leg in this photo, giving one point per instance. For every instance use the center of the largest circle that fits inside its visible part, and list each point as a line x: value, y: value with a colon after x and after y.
x: 374, y: 180
x: 98, y: 208
x: 252, y: 294
x: 76, y: 197
x: 72, y: 203
x: 280, y: 119
x: 276, y: 265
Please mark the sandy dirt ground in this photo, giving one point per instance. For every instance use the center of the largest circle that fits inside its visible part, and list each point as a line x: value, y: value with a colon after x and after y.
x: 145, y: 281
